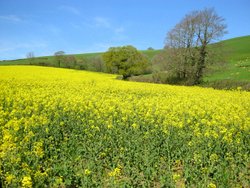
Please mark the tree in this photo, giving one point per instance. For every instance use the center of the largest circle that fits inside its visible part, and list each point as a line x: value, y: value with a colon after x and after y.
x: 70, y: 61
x: 125, y: 60
x: 30, y: 56
x: 97, y: 64
x: 187, y: 43
x: 150, y: 48
x: 59, y: 55
x: 82, y: 64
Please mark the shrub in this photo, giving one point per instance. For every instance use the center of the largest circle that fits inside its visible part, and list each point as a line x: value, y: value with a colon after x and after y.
x: 228, y: 84
x: 125, y: 60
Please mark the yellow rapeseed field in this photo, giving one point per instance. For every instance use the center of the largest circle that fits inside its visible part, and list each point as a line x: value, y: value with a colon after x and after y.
x: 69, y: 128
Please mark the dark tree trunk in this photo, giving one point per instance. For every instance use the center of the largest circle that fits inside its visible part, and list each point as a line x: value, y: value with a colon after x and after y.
x: 200, y: 65
x: 125, y: 77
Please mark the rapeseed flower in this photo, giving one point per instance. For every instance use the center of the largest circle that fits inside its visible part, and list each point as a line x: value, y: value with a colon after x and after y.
x: 54, y: 122
x: 26, y: 182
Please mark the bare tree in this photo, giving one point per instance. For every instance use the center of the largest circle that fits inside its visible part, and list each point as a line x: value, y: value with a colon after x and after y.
x: 187, y: 43
x: 70, y: 61
x: 98, y: 64
x: 30, y: 56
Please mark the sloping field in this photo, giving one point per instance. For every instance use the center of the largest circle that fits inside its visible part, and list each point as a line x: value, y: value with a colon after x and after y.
x: 238, y: 61
x: 68, y: 128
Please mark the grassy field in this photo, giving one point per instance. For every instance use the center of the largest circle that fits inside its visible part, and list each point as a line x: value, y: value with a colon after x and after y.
x: 238, y: 61
x: 69, y: 128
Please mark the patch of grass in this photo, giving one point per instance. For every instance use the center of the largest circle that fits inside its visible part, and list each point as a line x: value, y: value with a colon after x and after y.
x: 237, y: 66
x: 151, y: 53
x: 239, y: 48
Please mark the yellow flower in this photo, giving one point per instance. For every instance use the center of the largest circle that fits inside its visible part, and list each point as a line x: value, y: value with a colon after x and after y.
x: 38, y: 149
x: 9, y: 178
x: 87, y: 172
x: 135, y: 126
x: 81, y: 105
x: 211, y: 185
x: 27, y: 182
x: 214, y: 157
x: 110, y: 126
x: 39, y: 174
x: 115, y: 172
x: 176, y: 177
x: 59, y: 181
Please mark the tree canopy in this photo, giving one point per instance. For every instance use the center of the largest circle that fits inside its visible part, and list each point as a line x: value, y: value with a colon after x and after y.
x: 125, y: 60
x: 59, y: 53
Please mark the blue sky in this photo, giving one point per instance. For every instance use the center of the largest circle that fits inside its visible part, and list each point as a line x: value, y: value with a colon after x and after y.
x: 80, y: 26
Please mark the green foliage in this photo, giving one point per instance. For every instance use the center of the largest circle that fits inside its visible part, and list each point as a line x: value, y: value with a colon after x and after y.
x: 125, y: 60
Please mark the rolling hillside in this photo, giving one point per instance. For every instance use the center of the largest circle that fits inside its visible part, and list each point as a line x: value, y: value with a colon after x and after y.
x: 237, y: 66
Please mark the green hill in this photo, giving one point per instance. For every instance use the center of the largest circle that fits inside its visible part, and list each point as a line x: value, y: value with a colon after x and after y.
x: 236, y: 68
x: 50, y: 59
x: 46, y: 59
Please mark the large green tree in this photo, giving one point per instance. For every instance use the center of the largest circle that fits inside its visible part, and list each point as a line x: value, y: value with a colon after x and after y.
x: 125, y: 60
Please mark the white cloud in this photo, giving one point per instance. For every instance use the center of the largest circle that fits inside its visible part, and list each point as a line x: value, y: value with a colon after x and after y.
x: 10, y: 18
x: 70, y: 9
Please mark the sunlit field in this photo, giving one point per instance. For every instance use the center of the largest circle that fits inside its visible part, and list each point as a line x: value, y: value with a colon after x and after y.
x: 69, y: 128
